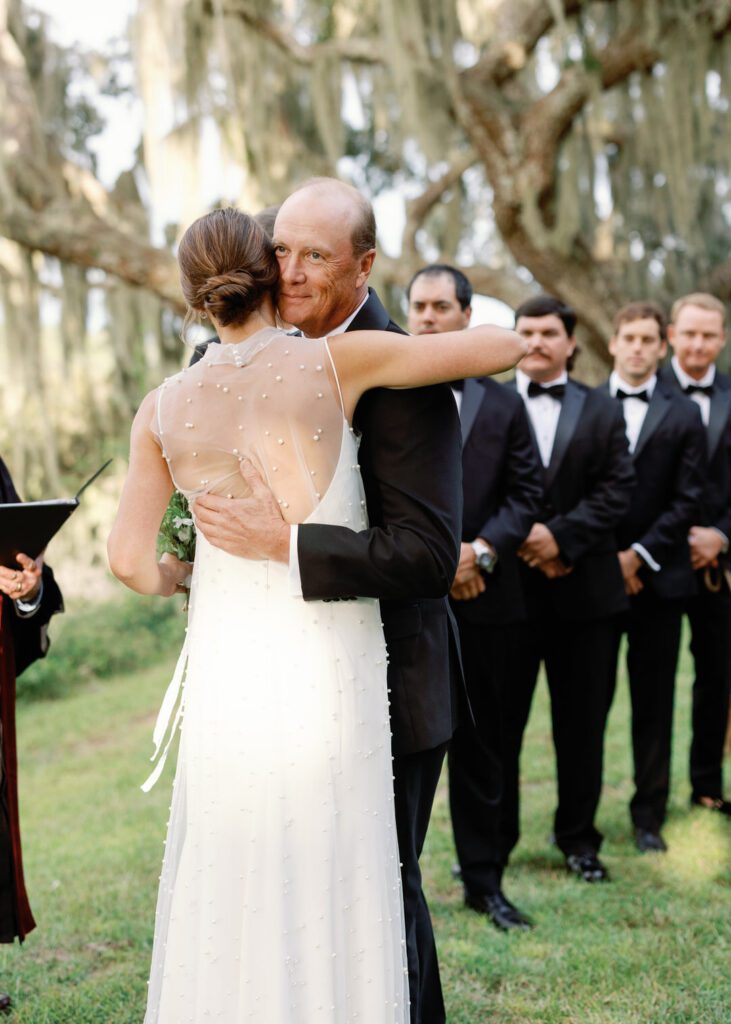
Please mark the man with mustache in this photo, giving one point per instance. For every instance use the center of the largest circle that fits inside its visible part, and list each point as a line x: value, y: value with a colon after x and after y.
x: 571, y: 580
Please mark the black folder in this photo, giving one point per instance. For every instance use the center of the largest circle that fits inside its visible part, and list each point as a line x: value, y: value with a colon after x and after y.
x: 29, y: 525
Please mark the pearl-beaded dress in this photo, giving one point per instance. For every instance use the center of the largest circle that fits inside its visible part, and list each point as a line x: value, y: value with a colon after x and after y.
x: 280, y: 895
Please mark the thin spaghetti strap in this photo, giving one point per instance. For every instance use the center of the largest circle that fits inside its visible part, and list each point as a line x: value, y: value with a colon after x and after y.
x: 157, y: 429
x: 335, y: 375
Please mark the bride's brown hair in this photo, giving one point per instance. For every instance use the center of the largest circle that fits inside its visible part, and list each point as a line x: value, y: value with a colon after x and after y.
x: 227, y: 266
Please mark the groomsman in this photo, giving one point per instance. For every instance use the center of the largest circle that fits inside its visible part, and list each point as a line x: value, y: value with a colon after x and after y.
x: 697, y: 333
x: 502, y: 491
x: 571, y: 578
x: 668, y: 448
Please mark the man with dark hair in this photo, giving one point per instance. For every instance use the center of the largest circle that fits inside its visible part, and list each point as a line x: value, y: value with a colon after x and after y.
x: 502, y: 492
x: 462, y: 295
x: 324, y: 239
x: 667, y: 444
x: 697, y: 334
x: 571, y: 579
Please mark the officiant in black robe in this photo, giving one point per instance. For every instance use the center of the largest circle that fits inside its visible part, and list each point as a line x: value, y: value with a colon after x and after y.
x: 23, y: 639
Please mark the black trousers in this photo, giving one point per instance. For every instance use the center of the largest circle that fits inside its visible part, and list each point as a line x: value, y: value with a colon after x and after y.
x: 475, y: 754
x: 653, y: 640
x: 415, y: 783
x: 710, y: 624
x: 578, y: 657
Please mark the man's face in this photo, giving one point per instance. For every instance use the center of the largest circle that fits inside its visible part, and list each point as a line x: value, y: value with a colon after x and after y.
x: 637, y: 349
x: 321, y: 280
x: 549, y: 346
x: 697, y: 337
x: 434, y: 307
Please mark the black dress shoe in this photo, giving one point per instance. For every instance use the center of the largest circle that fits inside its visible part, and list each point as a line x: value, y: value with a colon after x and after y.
x: 503, y: 914
x: 588, y: 867
x: 5, y: 1002
x: 713, y: 803
x: 650, y: 842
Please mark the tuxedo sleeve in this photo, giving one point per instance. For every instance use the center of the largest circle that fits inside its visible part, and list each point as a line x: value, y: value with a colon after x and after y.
x: 411, y: 457
x: 671, y: 528
x: 608, y: 500
x: 30, y: 635
x: 511, y: 521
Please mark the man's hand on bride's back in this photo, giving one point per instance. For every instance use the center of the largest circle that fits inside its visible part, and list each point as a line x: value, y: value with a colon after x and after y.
x: 250, y: 527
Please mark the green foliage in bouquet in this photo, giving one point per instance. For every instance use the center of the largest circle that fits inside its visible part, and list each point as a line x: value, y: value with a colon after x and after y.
x: 177, y: 531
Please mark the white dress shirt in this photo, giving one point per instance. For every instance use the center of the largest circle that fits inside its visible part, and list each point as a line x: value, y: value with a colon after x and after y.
x: 544, y: 412
x: 26, y: 609
x: 295, y: 581
x: 634, y: 411
x: 703, y: 401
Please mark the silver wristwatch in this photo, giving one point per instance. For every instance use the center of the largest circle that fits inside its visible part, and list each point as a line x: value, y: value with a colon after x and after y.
x: 485, y: 557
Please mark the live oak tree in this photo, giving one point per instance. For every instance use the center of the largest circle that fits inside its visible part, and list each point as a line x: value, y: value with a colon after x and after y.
x: 576, y: 147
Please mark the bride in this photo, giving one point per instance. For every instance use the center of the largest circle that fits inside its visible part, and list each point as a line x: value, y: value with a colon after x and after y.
x: 279, y: 898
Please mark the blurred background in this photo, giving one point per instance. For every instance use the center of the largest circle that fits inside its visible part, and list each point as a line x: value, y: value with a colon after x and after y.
x: 576, y: 147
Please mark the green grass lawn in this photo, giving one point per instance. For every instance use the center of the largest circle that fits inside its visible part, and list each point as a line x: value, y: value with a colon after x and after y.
x: 651, y: 947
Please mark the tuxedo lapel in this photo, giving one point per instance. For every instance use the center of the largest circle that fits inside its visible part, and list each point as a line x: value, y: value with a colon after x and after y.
x: 472, y: 396
x: 534, y: 440
x: 720, y: 409
x: 656, y: 412
x: 571, y: 406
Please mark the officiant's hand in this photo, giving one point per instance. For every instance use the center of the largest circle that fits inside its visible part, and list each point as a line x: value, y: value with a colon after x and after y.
x: 24, y: 583
x: 250, y: 527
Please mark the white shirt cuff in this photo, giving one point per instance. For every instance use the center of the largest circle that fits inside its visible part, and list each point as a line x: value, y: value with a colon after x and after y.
x: 646, y: 557
x: 720, y: 533
x: 295, y: 583
x: 26, y: 609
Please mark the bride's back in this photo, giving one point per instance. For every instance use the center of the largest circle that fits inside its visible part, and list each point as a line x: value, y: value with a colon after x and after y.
x: 272, y: 398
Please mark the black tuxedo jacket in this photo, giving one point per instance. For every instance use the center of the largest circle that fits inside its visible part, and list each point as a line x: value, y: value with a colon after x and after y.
x: 30, y: 635
x: 717, y: 493
x: 503, y: 490
x: 587, y: 489
x: 410, y: 460
x: 669, y: 462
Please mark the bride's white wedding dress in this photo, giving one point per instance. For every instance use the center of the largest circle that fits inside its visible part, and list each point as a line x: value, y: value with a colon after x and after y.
x: 280, y: 895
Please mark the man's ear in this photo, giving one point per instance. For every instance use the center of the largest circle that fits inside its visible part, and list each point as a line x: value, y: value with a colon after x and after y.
x: 671, y: 336
x: 366, y: 265
x: 612, y: 345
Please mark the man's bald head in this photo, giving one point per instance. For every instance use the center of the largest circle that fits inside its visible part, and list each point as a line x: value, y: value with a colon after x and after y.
x: 348, y: 202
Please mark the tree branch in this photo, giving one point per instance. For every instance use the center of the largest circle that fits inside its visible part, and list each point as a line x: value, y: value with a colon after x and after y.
x: 417, y: 209
x: 72, y: 232
x: 354, y: 51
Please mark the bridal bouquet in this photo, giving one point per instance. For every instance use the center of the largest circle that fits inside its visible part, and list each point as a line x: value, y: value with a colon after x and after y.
x: 177, y: 530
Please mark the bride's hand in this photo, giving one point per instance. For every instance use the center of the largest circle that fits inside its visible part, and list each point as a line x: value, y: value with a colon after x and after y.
x: 174, y: 575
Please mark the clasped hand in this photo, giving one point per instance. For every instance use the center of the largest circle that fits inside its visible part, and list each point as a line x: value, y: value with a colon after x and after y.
x: 706, y: 545
x: 22, y: 584
x: 540, y: 551
x: 250, y: 527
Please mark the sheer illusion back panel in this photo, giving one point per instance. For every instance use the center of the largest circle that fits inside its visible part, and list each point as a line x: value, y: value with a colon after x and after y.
x: 272, y: 398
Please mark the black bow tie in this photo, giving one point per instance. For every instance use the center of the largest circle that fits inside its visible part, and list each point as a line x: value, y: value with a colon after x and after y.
x: 701, y: 389
x: 554, y: 390
x: 644, y: 396
x: 457, y: 385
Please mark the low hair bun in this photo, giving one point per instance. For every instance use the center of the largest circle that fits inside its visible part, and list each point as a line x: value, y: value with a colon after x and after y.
x: 227, y: 266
